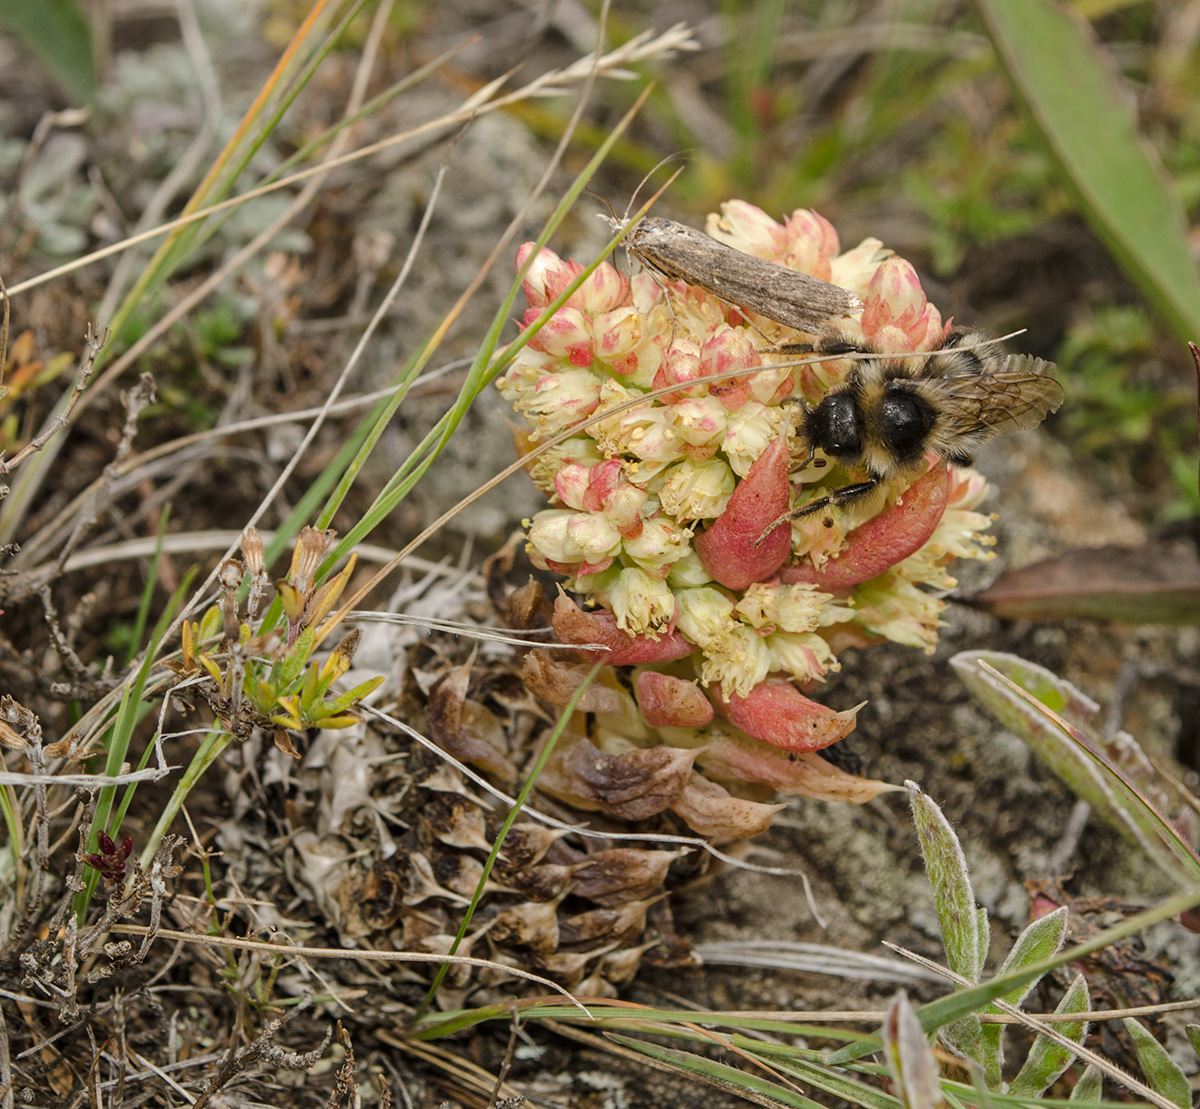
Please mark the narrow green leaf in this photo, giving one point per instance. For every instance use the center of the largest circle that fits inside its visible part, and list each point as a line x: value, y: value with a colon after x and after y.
x: 718, y: 1072
x: 1043, y: 939
x: 1080, y: 103
x: 1048, y: 1059
x: 1162, y: 1073
x: 1089, y: 1087
x: 946, y: 869
x: 1040, y: 940
x: 56, y: 32
x: 1193, y: 1035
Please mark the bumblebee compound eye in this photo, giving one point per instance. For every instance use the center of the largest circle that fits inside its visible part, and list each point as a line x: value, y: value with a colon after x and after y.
x: 834, y: 426
x: 906, y: 421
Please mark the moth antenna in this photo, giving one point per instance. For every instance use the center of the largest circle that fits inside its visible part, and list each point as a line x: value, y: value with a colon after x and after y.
x: 650, y: 173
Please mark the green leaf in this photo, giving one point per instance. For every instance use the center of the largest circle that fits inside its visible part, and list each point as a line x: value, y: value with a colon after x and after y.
x: 55, y: 32
x: 1089, y: 1087
x: 1040, y: 940
x: 1043, y: 939
x: 1080, y: 103
x: 946, y: 869
x: 718, y: 1072
x: 1162, y: 1073
x: 1048, y: 1059
x: 1193, y: 1035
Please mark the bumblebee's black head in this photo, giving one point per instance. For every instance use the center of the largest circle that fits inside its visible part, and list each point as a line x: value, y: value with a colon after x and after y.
x: 835, y: 425
x: 884, y: 422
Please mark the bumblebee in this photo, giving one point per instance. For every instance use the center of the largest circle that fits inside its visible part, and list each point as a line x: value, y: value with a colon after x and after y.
x: 891, y: 411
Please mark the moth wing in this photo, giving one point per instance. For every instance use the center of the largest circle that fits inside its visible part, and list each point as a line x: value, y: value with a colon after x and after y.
x: 1016, y: 397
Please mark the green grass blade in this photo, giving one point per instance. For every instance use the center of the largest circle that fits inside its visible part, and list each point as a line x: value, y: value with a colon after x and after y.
x: 719, y: 1073
x: 1078, y: 101
x: 56, y: 32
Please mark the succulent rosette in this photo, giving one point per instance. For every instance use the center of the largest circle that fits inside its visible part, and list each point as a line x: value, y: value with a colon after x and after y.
x: 659, y: 508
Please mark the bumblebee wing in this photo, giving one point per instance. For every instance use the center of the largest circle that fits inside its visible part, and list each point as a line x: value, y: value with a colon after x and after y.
x: 1015, y: 397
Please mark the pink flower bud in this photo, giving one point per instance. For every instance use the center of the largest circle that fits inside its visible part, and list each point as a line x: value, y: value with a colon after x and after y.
x: 726, y: 351
x: 573, y: 625
x: 604, y: 290
x: 680, y: 366
x: 602, y: 480
x: 895, y: 300
x: 571, y: 486
x: 727, y: 549
x: 811, y: 243
x: 618, y: 334
x: 547, y: 276
x: 883, y: 540
x: 776, y: 712
x: 567, y: 335
x: 748, y: 228
x: 670, y: 702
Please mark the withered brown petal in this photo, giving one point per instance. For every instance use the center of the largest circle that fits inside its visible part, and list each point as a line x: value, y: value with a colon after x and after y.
x: 283, y: 742
x: 710, y: 810
x: 465, y: 729
x: 633, y: 785
x: 622, y: 874
x: 744, y: 759
x: 525, y: 844
x: 540, y: 883
x: 616, y: 925
x: 556, y: 681
x: 533, y: 924
x: 667, y: 701
x: 456, y: 821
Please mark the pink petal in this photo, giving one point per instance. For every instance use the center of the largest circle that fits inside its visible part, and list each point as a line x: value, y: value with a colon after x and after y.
x: 727, y: 549
x: 776, y: 712
x: 573, y: 625
x: 883, y: 540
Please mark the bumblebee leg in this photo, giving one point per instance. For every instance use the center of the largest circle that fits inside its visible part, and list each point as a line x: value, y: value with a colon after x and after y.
x: 848, y: 494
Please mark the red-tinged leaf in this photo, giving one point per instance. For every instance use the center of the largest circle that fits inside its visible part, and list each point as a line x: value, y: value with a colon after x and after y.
x: 883, y: 540
x: 666, y: 701
x: 730, y: 755
x: 776, y: 712
x: 729, y: 549
x: 599, y: 629
x: 710, y: 810
x: 1157, y: 583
